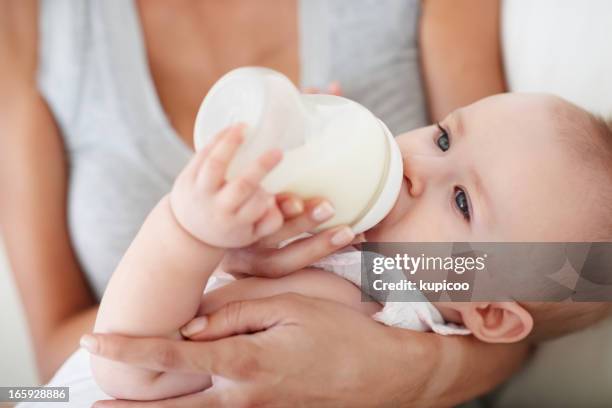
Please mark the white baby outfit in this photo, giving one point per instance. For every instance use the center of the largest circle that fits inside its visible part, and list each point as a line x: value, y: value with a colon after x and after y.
x: 420, y: 315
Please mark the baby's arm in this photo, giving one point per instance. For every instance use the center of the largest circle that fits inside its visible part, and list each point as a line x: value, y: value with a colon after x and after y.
x: 158, y: 284
x: 156, y: 288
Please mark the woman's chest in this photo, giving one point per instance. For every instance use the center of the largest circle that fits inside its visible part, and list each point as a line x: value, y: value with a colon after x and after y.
x: 190, y: 49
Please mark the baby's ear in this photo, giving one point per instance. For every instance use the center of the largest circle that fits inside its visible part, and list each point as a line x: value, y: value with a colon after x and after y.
x: 497, y: 322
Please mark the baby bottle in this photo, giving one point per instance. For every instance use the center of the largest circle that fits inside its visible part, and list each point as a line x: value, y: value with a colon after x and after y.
x: 332, y: 147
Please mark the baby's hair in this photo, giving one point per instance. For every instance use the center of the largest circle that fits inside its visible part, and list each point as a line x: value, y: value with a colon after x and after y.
x: 603, y: 135
x: 553, y: 319
x: 591, y: 138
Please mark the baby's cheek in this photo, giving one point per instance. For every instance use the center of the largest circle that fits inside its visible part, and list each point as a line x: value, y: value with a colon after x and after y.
x: 419, y: 228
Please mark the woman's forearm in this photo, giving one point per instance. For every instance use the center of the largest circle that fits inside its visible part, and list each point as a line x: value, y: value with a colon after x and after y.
x: 478, y: 369
x: 54, y: 293
x: 460, y: 53
x: 63, y: 340
x: 465, y: 368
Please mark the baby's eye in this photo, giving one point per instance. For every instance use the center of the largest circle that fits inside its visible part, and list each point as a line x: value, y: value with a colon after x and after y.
x: 443, y: 141
x: 461, y: 201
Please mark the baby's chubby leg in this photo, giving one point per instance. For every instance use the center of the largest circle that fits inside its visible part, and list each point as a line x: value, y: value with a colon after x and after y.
x: 309, y: 282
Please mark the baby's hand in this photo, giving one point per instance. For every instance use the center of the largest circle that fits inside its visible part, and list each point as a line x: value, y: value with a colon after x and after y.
x: 226, y: 214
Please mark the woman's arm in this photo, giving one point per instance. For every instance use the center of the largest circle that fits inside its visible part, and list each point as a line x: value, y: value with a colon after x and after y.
x: 466, y: 367
x: 33, y: 183
x: 317, y: 352
x: 460, y: 53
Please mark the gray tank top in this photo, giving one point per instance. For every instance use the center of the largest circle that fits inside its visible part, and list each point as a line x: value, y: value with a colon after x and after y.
x: 123, y: 152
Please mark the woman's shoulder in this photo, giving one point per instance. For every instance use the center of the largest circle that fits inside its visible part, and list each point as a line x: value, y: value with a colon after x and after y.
x: 18, y: 40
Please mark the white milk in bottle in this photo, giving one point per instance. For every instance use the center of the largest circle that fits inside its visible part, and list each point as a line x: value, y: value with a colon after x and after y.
x: 332, y: 146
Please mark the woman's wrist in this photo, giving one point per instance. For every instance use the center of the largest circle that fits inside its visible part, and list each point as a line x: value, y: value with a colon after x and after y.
x: 459, y: 368
x: 417, y: 353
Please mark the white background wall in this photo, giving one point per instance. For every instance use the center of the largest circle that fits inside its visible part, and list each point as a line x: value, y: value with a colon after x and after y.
x: 16, y: 360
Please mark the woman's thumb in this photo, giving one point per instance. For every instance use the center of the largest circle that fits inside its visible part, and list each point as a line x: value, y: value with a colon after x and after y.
x: 241, y: 317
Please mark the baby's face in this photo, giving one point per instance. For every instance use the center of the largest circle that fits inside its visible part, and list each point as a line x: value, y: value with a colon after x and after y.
x: 496, y: 170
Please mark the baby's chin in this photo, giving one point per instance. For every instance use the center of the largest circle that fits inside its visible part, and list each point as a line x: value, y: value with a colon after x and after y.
x: 370, y: 235
x: 381, y: 232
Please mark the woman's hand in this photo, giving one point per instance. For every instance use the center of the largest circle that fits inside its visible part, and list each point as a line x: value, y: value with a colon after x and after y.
x: 266, y: 259
x: 305, y: 351
x: 315, y: 352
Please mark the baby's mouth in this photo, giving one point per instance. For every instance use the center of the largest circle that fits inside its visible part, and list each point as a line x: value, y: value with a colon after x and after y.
x: 406, y: 182
x: 400, y: 207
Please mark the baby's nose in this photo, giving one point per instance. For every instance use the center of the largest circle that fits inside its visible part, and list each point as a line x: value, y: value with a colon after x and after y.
x: 421, y: 171
x: 415, y: 187
x: 416, y: 184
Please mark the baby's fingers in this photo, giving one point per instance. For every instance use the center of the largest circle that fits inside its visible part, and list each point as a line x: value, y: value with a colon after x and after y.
x: 256, y: 206
x: 270, y: 223
x: 211, y: 174
x: 193, y: 167
x: 236, y: 193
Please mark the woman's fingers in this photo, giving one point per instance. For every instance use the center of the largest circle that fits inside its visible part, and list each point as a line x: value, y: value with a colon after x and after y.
x: 226, y: 356
x: 316, y: 212
x: 220, y: 357
x: 273, y: 263
x: 237, y: 192
x: 311, y: 90
x: 211, y: 397
x: 290, y: 205
x: 242, y: 317
x: 334, y: 89
x: 150, y: 353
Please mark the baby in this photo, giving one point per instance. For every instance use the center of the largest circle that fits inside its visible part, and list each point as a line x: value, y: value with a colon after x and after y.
x: 502, y: 169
